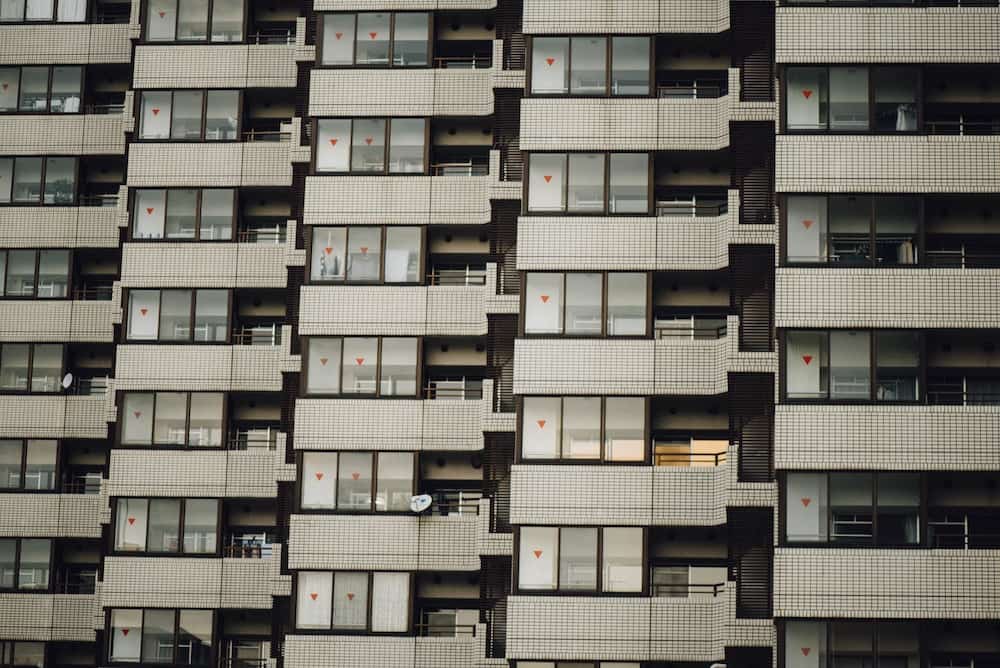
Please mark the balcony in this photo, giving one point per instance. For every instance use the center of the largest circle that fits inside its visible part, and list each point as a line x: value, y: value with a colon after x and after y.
x: 308, y: 651
x: 61, y: 320
x: 215, y: 66
x: 860, y: 583
x: 65, y: 44
x: 188, y: 582
x: 64, y: 134
x: 56, y: 416
x: 53, y: 515
x: 87, y: 226
x: 208, y: 265
x: 55, y: 617
x: 611, y: 16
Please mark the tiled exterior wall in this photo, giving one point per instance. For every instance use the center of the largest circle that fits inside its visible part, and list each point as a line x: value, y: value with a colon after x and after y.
x: 636, y: 16
x: 82, y: 134
x: 55, y: 617
x: 303, y: 651
x: 205, y: 265
x: 65, y: 44
x: 62, y: 320
x: 53, y: 416
x: 218, y: 165
x: 203, y: 474
x: 406, y: 5
x: 214, y: 66
x: 201, y: 368
x: 63, y: 227
x: 52, y: 515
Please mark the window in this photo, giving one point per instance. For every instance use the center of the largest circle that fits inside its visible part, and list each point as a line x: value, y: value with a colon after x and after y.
x: 818, y: 644
x: 371, y: 39
x: 612, y: 429
x: 345, y: 482
x: 204, y: 215
x: 355, y: 254
x: 580, y: 66
x: 359, y: 145
x: 25, y: 180
x: 581, y: 559
x: 193, y: 419
x: 577, y: 664
x: 374, y: 366
x: 167, y: 315
x: 22, y: 654
x: 179, y: 637
x: 353, y: 601
x: 42, y: 274
x: 28, y: 464
x: 576, y: 183
x: 837, y: 365
x: 189, y: 21
x: 55, y: 90
x: 847, y: 99
x: 60, y: 11
x: 190, y: 115
x: 572, y: 304
x: 31, y: 367
x: 188, y: 526
x: 25, y: 563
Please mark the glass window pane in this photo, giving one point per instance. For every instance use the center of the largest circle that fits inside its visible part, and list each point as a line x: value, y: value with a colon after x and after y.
x: 394, y: 481
x: 216, y: 214
x: 126, y: 635
x: 851, y: 507
x: 623, y: 559
x: 137, y: 410
x: 581, y: 428
x: 155, y: 121
x: 399, y: 367
x: 6, y: 179
x: 354, y: 481
x: 373, y: 39
x: 211, y: 315
x: 624, y: 429
x: 806, y: 365
x: 895, y: 98
x: 161, y: 22
x: 314, y: 607
x: 630, y: 65
x: 46, y: 367
x: 8, y: 562
x: 402, y: 254
x: 626, y: 304
x: 805, y: 98
x: 328, y: 247
x: 540, y: 427
x: 34, y: 88
x: 333, y: 146
x: 33, y: 572
x: 9, y: 86
x: 805, y: 507
x: 38, y: 10
x: 350, y: 601
x: 360, y: 365
x: 192, y: 20
x: 850, y: 362
x: 852, y: 644
x: 629, y: 183
x: 390, y: 602
x: 805, y: 644
x: 175, y: 315
x: 896, y: 230
x: 67, y: 83
x: 28, y: 180
x: 411, y: 40
x: 131, y: 525
x: 158, y: 636
x: 60, y: 180
x: 40, y: 465
x: 319, y: 474
x: 848, y: 98
x: 164, y: 525
x: 898, y: 509
x: 577, y: 558
x: 222, y: 114
x: 149, y: 214
x: 227, y: 20
x: 538, y: 558
x: 29, y: 654
x: 898, y: 363
x: 546, y: 182
x: 806, y: 227
x: 586, y: 182
x: 323, y: 373
x: 53, y: 273
x: 14, y: 367
x: 850, y: 229
x: 194, y: 633
x: 590, y: 66
x: 338, y: 39
x: 583, y: 304
x: 206, y: 419
x: 543, y: 310
x: 182, y: 206
x: 186, y: 121
x: 10, y: 463
x: 549, y: 65
x: 72, y: 11
x: 20, y: 273
x: 200, y: 525
x: 171, y: 417
x: 406, y: 145
x: 368, y: 145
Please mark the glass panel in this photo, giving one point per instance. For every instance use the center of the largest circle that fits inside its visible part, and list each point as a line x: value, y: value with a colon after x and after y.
x: 222, y: 111
x: 40, y: 465
x: 194, y: 632
x: 629, y: 183
x: 406, y: 145
x: 586, y: 182
x: 577, y: 558
x: 148, y: 214
x: 8, y: 562
x: 355, y: 481
x: 626, y: 304
x: 390, y: 602
x: 38, y: 10
x: 53, y: 273
x: 323, y: 374
x: 10, y: 463
x: 898, y: 644
x: 216, y: 214
x: 67, y: 83
x: 540, y: 427
x: 805, y: 98
x: 227, y: 20
x: 328, y: 247
x: 849, y: 98
x: 131, y: 524
x: 14, y: 367
x: 126, y: 635
x: 624, y: 429
x: 898, y: 364
x: 898, y: 509
x: 20, y: 273
x: 402, y: 254
x: 583, y: 304
x: 373, y: 39
x: 895, y: 98
x: 30, y: 654
x: 206, y: 419
x: 805, y: 644
x: 161, y: 21
x: 410, y: 41
x: 806, y: 365
x: 186, y: 121
x: 537, y: 558
x: 395, y: 481
x: 175, y: 315
x: 9, y: 86
x: 200, y: 525
x: 805, y: 507
x: 28, y: 180
x: 360, y: 365
x: 896, y: 230
x: 155, y: 122
x: 158, y: 636
x: 6, y: 179
x: 630, y: 65
x: 590, y: 66
x: 46, y: 368
x: 549, y: 65
x: 192, y: 20
x: 34, y: 88
x: 850, y: 362
x: 671, y: 581
x: 319, y: 473
x: 60, y: 180
x: 333, y: 146
x: 33, y: 572
x: 399, y: 367
x: 171, y: 417
x: 623, y: 564
x: 350, y: 601
x: 368, y: 145
x: 137, y: 410
x: 338, y: 40
x: 164, y: 525
x: 314, y: 607
x: 581, y: 428
x: 851, y: 507
x: 211, y: 315
x: 182, y: 206
x: 546, y: 182
x: 72, y: 11
x: 543, y: 312
x: 806, y: 227
x: 852, y: 644
x: 850, y: 229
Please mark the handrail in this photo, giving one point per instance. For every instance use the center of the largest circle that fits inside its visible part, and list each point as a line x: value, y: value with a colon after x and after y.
x: 265, y: 438
x: 425, y: 629
x: 687, y: 92
x: 455, y: 502
x: 965, y: 540
x: 962, y: 259
x: 258, y: 335
x: 663, y: 331
x: 457, y: 277
x: 464, y: 393
x: 95, y: 386
x: 257, y: 235
x: 963, y: 127
x: 668, y: 590
x: 464, y: 62
x: 102, y: 293
x: 99, y: 200
x: 101, y: 109
x: 691, y: 209
x: 272, y: 37
x: 265, y: 136
x: 681, y: 459
x: 460, y: 169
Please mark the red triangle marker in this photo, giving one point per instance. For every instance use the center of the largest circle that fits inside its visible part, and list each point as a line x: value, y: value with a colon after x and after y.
x: 324, y: 360
x: 319, y: 475
x: 143, y: 311
x: 805, y: 501
x: 359, y: 360
x: 538, y: 554
x: 807, y: 224
x: 125, y: 631
x: 131, y: 521
x: 541, y: 424
x: 807, y: 94
x: 548, y: 178
x: 149, y: 210
x: 550, y: 61
x: 162, y: 13
x: 355, y: 475
x: 338, y: 35
x: 373, y: 35
x: 156, y: 112
x: 350, y: 596
x: 369, y: 140
x: 545, y: 299
x: 137, y: 414
x: 806, y: 650
x: 364, y: 250
x: 333, y: 142
x: 328, y: 250
x: 807, y: 359
x: 314, y: 596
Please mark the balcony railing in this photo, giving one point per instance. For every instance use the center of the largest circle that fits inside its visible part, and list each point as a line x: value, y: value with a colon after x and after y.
x: 689, y: 328
x: 692, y: 207
x: 687, y: 590
x: 962, y: 127
x: 108, y: 201
x: 104, y: 109
x: 460, y: 169
x: 272, y: 37
x: 449, y: 502
x: 82, y: 484
x: 96, y: 294
x: 691, y: 90
x: 959, y: 393
x: 95, y: 386
x: 263, y: 235
x: 464, y: 62
x: 445, y: 630
x: 258, y: 335
x: 676, y: 456
x: 453, y: 393
x: 266, y: 136
x: 265, y: 438
x: 466, y: 276
x: 962, y: 259
x: 243, y: 546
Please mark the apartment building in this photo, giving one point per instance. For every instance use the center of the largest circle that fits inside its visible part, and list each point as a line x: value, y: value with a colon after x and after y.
x: 482, y: 333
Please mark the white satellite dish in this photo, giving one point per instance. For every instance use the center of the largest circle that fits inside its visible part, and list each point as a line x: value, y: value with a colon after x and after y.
x: 67, y: 381
x: 419, y: 504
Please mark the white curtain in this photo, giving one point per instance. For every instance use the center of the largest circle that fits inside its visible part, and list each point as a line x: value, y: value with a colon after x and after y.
x: 350, y: 601
x: 130, y: 525
x: 538, y: 558
x: 806, y: 507
x: 319, y: 480
x: 805, y: 644
x: 72, y: 10
x: 138, y: 412
x: 126, y: 635
x: 540, y: 433
x: 313, y: 609
x: 143, y: 315
x: 390, y: 602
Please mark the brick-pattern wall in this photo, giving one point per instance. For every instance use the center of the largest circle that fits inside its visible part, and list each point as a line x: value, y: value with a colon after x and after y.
x: 635, y: 16
x: 65, y: 44
x: 214, y: 66
x: 308, y: 651
x: 55, y: 617
x: 57, y: 321
x: 27, y: 416
x: 58, y: 227
x: 206, y: 265
x: 201, y: 368
x: 409, y: 5
x: 52, y: 515
x: 71, y: 134
x: 202, y: 164
x: 210, y: 474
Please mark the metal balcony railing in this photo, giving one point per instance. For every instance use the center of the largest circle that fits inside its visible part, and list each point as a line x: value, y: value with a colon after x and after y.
x: 96, y: 294
x: 467, y: 276
x: 962, y: 127
x: 694, y: 207
x: 686, y: 590
x: 475, y: 62
x: 265, y: 438
x: 691, y: 90
x: 681, y: 459
x: 449, y: 502
x: 453, y: 393
x: 266, y: 136
x: 272, y: 37
x: 460, y: 169
x: 445, y: 630
x: 108, y: 201
x: 258, y: 335
x: 689, y: 328
x: 961, y: 259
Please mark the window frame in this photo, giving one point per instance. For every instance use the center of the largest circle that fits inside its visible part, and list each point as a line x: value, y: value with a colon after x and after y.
x: 373, y: 506
x: 603, y: 273
x: 202, y: 139
x: 31, y: 368
x: 369, y: 614
x: 120, y: 427
x: 605, y: 211
x: 199, y: 198
x: 190, y: 341
x: 51, y: 74
x: 321, y: 30
x: 144, y: 23
x: 180, y: 552
x: 16, y: 589
x: 74, y: 201
x: 88, y: 16
x: 109, y: 642
x: 56, y: 475
x: 383, y: 241
x: 304, y: 387
x: 38, y: 260
x: 602, y: 458
x: 386, y: 148
x: 609, y: 66
x: 7, y: 648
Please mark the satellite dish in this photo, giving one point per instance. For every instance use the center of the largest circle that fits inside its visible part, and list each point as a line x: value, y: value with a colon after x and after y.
x: 419, y: 504
x: 67, y: 381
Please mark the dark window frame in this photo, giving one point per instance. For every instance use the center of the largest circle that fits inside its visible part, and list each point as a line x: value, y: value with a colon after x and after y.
x: 304, y: 391
x: 119, y: 429
x: 604, y: 274
x: 386, y: 148
x: 109, y: 639
x: 56, y: 475
x: 190, y: 341
x: 373, y: 508
x: 75, y: 199
x: 5, y: 252
x: 609, y: 67
x: 144, y: 23
x: 202, y: 139
x: 48, y: 96
x: 181, y: 515
x: 604, y: 212
x: 88, y: 15
x: 49, y: 586
x: 368, y: 619
x: 321, y: 30
x: 199, y: 192
x: 383, y: 241
x: 31, y: 368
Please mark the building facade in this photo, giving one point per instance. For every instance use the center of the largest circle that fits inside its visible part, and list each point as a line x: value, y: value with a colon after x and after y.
x: 482, y: 333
